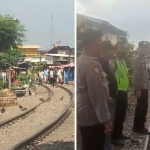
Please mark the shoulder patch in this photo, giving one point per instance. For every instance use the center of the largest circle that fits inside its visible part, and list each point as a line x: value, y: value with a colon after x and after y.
x: 97, y: 70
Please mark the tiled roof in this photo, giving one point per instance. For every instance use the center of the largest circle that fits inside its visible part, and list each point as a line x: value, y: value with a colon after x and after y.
x: 29, y: 46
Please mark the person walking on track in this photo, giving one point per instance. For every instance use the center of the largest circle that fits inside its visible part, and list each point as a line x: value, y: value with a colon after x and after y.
x: 107, y: 53
x: 41, y: 77
x: 121, y: 72
x: 141, y: 86
x: 93, y: 116
x: 51, y: 77
x: 55, y: 77
x: 46, y: 75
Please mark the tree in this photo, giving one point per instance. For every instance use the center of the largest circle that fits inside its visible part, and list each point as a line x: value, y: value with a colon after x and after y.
x: 9, y: 57
x: 11, y: 33
x: 129, y: 49
x: 11, y: 36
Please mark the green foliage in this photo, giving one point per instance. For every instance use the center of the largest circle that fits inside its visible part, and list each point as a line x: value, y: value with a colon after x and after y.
x: 25, y: 79
x: 32, y: 83
x: 11, y: 36
x: 11, y: 33
x: 129, y: 53
x: 129, y: 49
x: 10, y: 57
x: 38, y: 67
x: 1, y: 84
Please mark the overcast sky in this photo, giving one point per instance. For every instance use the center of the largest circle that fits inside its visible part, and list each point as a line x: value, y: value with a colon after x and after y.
x: 130, y: 15
x: 35, y: 15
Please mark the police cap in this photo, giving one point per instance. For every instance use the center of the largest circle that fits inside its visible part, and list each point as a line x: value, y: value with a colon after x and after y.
x: 144, y: 44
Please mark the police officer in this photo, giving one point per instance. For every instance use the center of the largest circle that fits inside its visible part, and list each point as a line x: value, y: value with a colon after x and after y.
x: 141, y: 86
x: 107, y: 54
x: 121, y: 72
x: 93, y: 116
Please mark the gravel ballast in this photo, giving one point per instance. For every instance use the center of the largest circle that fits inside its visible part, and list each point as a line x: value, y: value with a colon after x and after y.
x: 27, y: 102
x: 61, y: 138
x: 44, y: 114
x: 136, y: 141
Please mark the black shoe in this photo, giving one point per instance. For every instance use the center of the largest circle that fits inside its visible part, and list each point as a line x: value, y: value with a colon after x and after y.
x: 143, y: 131
x: 123, y: 137
x: 117, y: 142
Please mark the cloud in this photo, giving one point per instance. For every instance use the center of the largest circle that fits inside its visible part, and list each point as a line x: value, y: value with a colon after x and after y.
x: 129, y: 15
x: 81, y: 8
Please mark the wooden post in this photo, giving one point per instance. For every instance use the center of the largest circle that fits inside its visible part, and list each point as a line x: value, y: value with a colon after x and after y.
x: 69, y: 55
x: 9, y: 77
x: 27, y: 91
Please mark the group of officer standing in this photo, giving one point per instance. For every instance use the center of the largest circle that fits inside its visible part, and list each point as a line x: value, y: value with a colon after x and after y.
x: 102, y: 91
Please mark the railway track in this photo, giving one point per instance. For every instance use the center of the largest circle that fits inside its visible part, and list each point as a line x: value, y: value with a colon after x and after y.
x: 147, y: 138
x: 14, y: 118
x: 59, y: 135
x: 146, y: 143
x: 37, y: 126
x: 31, y: 141
x: 136, y: 141
x: 61, y: 138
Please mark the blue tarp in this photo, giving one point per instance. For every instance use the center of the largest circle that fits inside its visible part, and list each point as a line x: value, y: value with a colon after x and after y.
x: 69, y: 75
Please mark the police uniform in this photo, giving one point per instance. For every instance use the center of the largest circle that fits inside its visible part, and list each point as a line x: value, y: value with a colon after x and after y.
x: 92, y: 109
x: 140, y: 82
x: 122, y: 76
x: 113, y: 89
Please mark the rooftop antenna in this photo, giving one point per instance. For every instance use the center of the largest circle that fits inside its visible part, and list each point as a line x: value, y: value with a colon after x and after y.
x: 56, y: 44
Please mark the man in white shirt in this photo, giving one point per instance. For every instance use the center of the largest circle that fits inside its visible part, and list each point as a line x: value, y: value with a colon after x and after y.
x: 41, y: 77
x: 59, y: 78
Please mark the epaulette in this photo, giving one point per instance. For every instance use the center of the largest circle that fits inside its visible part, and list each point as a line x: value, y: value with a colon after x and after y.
x: 95, y: 58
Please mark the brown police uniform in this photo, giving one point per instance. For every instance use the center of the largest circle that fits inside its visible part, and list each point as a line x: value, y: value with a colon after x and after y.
x: 92, y: 109
x: 140, y: 82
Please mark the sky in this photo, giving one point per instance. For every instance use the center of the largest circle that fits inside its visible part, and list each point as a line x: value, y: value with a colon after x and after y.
x: 35, y: 15
x: 130, y: 15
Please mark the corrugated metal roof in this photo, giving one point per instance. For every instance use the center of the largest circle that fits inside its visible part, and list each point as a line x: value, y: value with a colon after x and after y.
x: 29, y: 46
x: 59, y: 55
x: 90, y: 22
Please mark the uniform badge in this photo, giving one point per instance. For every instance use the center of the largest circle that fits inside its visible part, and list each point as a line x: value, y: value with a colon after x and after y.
x: 96, y: 70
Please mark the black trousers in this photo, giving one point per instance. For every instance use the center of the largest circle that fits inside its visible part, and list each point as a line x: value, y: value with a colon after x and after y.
x: 52, y: 81
x: 120, y: 113
x: 141, y: 111
x: 93, y: 137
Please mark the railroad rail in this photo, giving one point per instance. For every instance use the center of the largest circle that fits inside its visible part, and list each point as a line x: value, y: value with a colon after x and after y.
x: 49, y: 127
x: 147, y: 140
x: 28, y: 111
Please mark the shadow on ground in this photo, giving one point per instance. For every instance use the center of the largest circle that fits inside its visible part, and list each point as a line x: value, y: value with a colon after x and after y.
x: 59, y: 145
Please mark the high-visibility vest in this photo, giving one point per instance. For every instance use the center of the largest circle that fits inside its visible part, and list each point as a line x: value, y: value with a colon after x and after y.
x: 122, y: 75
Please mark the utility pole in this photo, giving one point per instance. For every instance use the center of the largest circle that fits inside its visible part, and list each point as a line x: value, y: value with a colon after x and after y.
x: 51, y: 30
x: 69, y: 55
x: 69, y: 51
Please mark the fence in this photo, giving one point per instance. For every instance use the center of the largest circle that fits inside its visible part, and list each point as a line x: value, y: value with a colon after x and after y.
x: 7, y: 98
